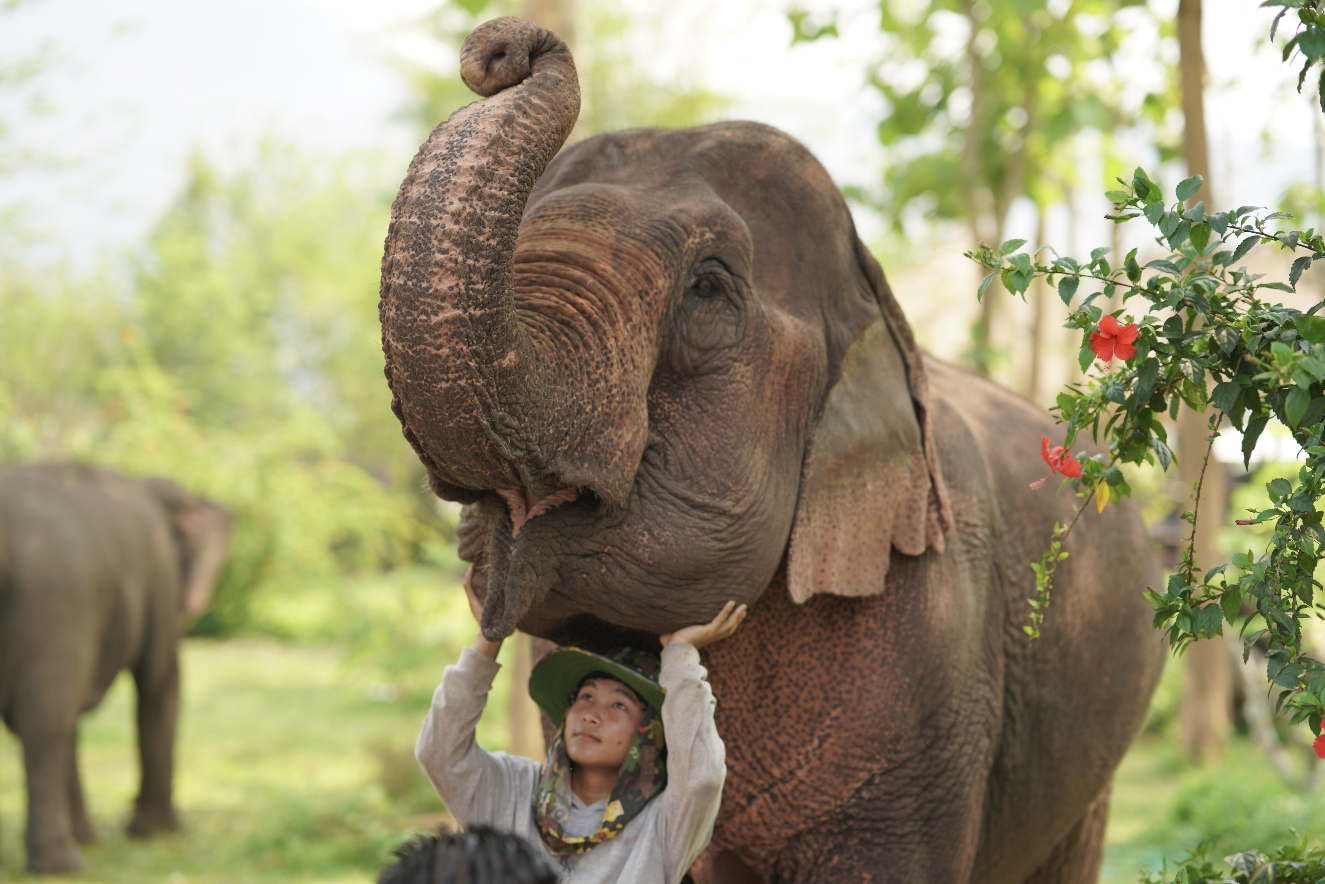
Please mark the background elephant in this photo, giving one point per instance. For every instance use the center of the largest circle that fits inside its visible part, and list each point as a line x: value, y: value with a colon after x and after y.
x: 98, y: 573
x: 662, y: 371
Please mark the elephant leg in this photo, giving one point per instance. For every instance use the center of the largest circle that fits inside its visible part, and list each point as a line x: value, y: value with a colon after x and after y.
x: 50, y: 837
x: 158, y: 708
x: 84, y: 832
x: 1078, y: 857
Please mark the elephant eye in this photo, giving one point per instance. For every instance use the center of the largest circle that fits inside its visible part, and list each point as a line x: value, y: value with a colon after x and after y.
x: 706, y: 286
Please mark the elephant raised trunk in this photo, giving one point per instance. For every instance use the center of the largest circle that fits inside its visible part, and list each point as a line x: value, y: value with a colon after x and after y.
x: 468, y: 378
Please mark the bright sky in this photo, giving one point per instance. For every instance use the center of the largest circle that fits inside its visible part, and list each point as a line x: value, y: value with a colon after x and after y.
x: 138, y: 84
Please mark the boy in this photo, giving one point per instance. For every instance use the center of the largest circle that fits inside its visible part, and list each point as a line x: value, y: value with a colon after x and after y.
x: 632, y: 781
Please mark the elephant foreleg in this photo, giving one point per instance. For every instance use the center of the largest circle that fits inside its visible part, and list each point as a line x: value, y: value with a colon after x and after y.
x: 1077, y: 858
x: 84, y: 833
x: 158, y: 708
x: 50, y: 836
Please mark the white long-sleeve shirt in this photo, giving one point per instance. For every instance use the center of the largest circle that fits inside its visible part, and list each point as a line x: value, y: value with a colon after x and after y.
x: 495, y: 789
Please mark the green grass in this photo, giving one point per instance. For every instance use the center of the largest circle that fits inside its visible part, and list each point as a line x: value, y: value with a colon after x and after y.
x: 287, y: 771
x: 290, y: 771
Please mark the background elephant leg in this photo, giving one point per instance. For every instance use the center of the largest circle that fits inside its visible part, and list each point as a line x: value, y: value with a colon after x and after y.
x: 84, y: 832
x: 50, y: 837
x: 1077, y: 858
x: 158, y: 707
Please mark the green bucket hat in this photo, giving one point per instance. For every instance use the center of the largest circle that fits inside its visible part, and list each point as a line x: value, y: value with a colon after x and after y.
x: 558, y: 674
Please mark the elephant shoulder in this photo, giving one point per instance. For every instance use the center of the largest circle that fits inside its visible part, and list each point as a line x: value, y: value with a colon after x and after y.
x: 1002, y: 429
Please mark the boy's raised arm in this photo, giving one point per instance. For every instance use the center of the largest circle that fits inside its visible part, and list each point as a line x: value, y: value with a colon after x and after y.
x: 475, y: 785
x: 696, y: 757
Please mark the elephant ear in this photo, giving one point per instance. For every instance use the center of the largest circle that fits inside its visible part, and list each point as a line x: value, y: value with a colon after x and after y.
x: 202, y: 533
x: 871, y: 479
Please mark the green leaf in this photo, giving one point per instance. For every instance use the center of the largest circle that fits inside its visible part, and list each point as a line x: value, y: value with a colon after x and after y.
x: 1200, y: 237
x: 1279, y: 488
x: 1299, y: 265
x: 1188, y: 186
x: 1067, y: 288
x: 1224, y: 395
x: 1255, y: 427
x: 1117, y: 197
x: 984, y: 284
x: 1295, y: 406
x: 1226, y: 337
x: 1146, y: 379
x: 1210, y: 621
x: 1179, y: 234
x: 1162, y: 453
x: 1011, y: 246
x: 1085, y: 358
x: 1314, y: 367
x: 1154, y: 212
x: 1311, y: 327
x: 1243, y: 248
x: 1230, y: 602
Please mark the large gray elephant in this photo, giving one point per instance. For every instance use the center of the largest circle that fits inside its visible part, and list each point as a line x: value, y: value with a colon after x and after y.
x: 98, y: 573
x: 660, y: 370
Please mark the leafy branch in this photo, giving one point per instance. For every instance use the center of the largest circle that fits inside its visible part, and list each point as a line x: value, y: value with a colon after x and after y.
x: 1309, y: 39
x: 1203, y: 338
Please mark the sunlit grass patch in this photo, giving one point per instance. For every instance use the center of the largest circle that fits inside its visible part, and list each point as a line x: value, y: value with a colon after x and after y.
x: 287, y: 770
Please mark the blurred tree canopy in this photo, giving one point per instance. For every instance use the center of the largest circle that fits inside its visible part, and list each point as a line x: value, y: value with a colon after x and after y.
x: 242, y: 358
x: 985, y: 101
x: 616, y: 93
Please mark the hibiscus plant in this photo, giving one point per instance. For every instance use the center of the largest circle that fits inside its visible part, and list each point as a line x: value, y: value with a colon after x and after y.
x: 1194, y: 329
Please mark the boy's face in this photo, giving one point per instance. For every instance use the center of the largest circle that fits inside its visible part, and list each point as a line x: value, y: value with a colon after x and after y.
x: 601, y: 722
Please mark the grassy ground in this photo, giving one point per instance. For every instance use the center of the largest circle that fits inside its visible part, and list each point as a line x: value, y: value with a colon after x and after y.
x: 294, y: 768
x: 287, y: 771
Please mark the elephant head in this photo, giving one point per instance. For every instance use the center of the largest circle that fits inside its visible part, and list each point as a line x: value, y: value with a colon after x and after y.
x: 202, y: 534
x: 656, y: 368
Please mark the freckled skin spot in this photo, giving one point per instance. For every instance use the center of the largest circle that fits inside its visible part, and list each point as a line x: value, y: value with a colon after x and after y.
x: 661, y: 371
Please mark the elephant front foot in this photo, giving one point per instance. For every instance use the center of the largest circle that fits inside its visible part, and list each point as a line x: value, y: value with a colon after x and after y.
x: 84, y: 831
x: 148, y: 821
x: 54, y: 859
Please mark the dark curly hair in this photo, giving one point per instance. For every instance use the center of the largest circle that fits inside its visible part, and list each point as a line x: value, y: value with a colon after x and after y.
x: 481, y: 855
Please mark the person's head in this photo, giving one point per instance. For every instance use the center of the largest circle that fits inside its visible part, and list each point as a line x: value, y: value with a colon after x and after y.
x: 601, y: 720
x: 478, y: 856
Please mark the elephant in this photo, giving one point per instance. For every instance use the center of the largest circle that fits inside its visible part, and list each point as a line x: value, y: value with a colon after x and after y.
x: 660, y: 370
x: 98, y: 573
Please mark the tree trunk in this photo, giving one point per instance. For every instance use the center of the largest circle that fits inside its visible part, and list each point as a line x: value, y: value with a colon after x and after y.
x: 526, y: 723
x: 1039, y: 293
x: 1207, y: 699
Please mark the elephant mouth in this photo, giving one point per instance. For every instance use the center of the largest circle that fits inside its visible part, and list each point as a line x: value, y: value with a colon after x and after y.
x: 523, y: 505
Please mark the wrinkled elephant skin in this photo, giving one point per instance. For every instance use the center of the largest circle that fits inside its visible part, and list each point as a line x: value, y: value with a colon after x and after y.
x: 661, y: 371
x: 98, y: 573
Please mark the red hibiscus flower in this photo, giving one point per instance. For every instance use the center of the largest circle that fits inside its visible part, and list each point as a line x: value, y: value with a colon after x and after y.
x: 1114, y: 340
x: 1060, y: 460
x: 1319, y: 745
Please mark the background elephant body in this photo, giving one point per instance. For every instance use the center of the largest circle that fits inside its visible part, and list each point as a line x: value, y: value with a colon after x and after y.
x: 98, y: 573
x: 662, y: 371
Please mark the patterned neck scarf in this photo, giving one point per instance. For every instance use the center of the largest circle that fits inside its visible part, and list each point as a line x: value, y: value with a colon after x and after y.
x: 643, y: 775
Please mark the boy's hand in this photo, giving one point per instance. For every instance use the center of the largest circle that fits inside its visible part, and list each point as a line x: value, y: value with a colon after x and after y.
x: 481, y: 644
x: 716, y: 629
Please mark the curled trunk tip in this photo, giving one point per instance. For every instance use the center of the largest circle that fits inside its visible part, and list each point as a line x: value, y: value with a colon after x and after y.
x: 499, y: 54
